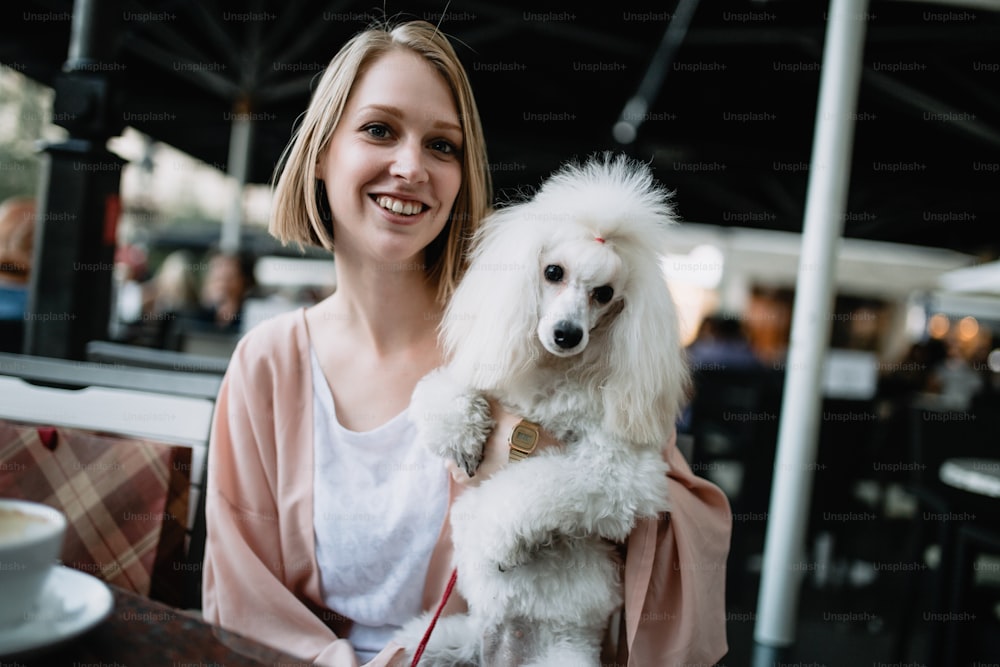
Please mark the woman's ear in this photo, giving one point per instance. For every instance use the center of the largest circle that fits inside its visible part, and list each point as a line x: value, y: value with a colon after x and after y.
x: 489, y: 324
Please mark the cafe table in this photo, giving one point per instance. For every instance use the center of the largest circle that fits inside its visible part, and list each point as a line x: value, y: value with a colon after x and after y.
x: 140, y: 632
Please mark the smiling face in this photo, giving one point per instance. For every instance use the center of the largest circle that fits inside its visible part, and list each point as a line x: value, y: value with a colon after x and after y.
x: 581, y: 282
x: 393, y: 166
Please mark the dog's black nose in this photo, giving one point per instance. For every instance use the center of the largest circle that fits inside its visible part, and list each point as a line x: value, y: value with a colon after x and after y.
x: 567, y: 334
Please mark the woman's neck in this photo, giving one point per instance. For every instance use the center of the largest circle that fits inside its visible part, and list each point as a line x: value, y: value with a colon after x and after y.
x: 393, y: 309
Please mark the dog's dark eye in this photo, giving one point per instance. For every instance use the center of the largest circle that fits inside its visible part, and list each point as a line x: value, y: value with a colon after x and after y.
x: 603, y: 293
x: 553, y: 273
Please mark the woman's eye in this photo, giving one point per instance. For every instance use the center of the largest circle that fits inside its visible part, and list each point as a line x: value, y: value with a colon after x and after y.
x: 377, y: 130
x: 603, y: 294
x: 445, y: 147
x: 553, y: 273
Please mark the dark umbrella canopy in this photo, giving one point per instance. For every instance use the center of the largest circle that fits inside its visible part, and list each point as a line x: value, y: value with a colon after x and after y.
x: 729, y: 126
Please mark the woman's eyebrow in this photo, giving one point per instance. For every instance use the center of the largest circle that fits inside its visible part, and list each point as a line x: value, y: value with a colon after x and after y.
x: 398, y: 113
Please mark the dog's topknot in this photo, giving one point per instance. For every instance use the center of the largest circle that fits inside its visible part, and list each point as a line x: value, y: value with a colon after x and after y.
x: 612, y: 193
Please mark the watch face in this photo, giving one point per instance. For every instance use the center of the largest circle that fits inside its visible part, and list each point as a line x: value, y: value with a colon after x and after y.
x: 523, y: 438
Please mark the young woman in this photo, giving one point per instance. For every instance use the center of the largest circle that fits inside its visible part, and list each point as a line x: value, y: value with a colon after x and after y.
x: 327, y: 527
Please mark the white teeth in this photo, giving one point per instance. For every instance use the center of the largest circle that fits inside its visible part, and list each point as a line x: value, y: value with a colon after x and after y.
x: 398, y: 206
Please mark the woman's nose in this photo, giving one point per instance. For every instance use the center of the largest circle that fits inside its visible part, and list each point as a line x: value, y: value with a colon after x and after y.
x: 408, y: 162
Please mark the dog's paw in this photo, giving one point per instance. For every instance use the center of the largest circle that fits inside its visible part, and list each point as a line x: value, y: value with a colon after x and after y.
x: 412, y: 632
x: 452, y: 420
x: 469, y: 460
x: 494, y: 539
x: 453, y: 643
x: 524, y: 549
x: 464, y: 436
x: 614, y: 528
x: 516, y: 555
x: 483, y: 535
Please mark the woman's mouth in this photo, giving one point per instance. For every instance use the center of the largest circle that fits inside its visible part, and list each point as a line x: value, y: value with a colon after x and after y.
x: 399, y: 206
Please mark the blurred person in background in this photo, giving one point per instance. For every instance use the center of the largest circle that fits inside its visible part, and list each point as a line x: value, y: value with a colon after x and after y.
x: 17, y: 234
x: 131, y: 270
x: 228, y: 281
x: 174, y: 287
x: 953, y: 379
x: 166, y: 298
x: 720, y: 344
x: 912, y: 374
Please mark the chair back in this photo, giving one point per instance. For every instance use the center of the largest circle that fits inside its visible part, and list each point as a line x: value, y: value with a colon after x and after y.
x: 105, y: 443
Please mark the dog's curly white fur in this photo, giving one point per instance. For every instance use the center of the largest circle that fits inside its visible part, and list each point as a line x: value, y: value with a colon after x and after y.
x: 565, y: 318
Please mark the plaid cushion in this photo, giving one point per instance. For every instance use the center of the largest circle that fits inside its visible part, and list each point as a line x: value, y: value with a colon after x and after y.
x: 125, y: 499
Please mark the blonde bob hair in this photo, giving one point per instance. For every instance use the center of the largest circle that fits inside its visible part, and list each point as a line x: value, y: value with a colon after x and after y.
x: 296, y: 214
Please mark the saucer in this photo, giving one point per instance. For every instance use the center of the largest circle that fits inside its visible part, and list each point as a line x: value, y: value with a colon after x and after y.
x: 72, y: 602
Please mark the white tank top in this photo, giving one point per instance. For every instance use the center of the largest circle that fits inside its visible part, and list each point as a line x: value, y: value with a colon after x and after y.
x: 378, y: 505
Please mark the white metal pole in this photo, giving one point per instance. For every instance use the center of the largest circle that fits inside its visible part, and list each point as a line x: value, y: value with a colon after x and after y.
x: 826, y: 202
x: 238, y: 167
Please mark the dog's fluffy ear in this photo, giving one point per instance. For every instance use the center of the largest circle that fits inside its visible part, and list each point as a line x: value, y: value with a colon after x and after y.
x: 648, y: 377
x: 648, y: 380
x: 489, y: 324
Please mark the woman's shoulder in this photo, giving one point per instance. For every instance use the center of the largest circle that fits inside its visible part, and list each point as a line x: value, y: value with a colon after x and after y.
x: 276, y: 327
x: 280, y: 341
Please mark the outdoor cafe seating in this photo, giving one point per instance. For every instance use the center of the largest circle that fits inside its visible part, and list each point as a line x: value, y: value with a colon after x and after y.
x: 122, y: 452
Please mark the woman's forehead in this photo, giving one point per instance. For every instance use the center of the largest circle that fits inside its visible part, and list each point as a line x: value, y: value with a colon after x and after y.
x: 403, y: 83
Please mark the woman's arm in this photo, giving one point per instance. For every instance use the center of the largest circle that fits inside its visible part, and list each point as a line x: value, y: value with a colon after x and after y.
x: 246, y: 573
x: 675, y: 574
x: 496, y: 452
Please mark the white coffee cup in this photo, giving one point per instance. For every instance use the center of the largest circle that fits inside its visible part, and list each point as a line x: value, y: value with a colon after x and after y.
x: 31, y: 537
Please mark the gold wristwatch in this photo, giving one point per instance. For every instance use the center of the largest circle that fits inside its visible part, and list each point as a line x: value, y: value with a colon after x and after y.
x: 523, y: 439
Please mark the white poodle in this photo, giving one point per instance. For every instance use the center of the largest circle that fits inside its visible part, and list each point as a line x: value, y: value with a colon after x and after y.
x: 564, y: 317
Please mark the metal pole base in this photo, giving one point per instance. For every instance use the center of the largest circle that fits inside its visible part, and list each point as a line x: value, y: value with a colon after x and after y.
x: 770, y: 656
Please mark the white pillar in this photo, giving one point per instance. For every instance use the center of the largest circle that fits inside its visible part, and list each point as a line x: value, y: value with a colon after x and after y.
x: 238, y: 167
x: 826, y: 202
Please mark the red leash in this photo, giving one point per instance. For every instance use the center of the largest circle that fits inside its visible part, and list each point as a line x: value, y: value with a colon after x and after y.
x: 437, y: 614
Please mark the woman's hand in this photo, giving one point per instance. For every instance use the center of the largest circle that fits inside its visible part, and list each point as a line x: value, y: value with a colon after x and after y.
x: 496, y: 452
